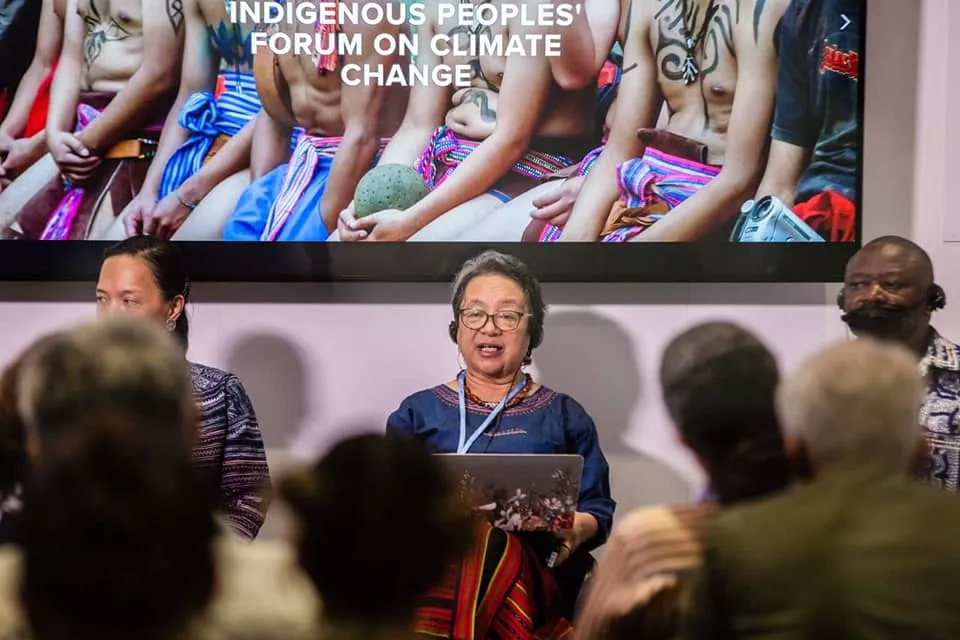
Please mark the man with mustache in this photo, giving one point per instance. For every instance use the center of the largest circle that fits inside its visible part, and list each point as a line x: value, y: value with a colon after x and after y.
x: 889, y: 293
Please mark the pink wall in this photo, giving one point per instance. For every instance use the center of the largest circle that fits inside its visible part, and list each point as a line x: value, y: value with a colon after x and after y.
x: 319, y: 359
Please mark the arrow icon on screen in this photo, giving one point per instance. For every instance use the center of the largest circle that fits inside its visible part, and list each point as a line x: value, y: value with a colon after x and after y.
x: 846, y: 22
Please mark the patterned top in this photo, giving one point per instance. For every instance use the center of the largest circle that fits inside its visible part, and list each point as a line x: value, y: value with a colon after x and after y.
x: 543, y: 422
x: 940, y: 414
x: 229, y: 449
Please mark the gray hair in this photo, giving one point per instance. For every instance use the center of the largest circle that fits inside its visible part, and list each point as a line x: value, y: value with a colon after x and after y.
x: 493, y: 262
x: 855, y: 404
x: 123, y: 364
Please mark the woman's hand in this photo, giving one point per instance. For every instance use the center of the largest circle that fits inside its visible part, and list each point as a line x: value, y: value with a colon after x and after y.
x: 555, y: 207
x: 135, y: 213
x: 584, y: 528
x: 6, y: 143
x: 166, y: 217
x: 20, y: 155
x: 74, y: 160
x: 346, y: 226
x: 390, y: 225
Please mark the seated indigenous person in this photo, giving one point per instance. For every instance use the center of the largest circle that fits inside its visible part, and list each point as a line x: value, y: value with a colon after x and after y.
x: 813, y: 157
x: 118, y: 69
x: 204, y: 149
x: 498, y: 320
x: 686, y: 181
x: 477, y: 147
x: 22, y: 137
x: 19, y: 23
x: 718, y: 383
x: 298, y: 197
x: 585, y: 43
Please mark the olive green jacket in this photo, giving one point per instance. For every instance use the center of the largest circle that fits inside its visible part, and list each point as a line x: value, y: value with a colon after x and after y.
x: 864, y: 555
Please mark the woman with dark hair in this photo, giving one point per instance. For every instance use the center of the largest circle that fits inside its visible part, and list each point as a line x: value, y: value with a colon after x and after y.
x: 118, y: 539
x: 146, y: 276
x: 719, y: 383
x: 498, y: 314
x: 364, y: 486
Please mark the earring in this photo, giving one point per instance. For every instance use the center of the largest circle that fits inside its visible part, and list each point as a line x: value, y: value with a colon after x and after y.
x: 460, y: 361
x: 171, y: 324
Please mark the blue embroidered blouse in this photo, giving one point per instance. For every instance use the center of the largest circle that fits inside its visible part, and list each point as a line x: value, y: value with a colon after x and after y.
x: 543, y: 422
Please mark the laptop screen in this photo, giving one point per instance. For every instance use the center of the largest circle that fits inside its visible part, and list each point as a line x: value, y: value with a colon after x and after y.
x: 519, y: 492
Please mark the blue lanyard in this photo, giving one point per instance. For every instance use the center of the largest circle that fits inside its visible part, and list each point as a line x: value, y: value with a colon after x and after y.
x: 464, y: 445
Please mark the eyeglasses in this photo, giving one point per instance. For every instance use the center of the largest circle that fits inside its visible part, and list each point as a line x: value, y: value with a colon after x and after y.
x: 502, y: 320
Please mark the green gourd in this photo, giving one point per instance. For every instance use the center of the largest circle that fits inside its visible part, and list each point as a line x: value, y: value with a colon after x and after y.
x: 388, y: 186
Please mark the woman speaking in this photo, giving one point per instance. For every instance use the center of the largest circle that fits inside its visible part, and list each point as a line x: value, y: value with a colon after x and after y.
x: 494, y: 406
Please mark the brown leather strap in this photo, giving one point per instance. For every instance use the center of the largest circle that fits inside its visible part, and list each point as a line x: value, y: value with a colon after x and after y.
x: 272, y: 87
x: 622, y: 216
x: 139, y: 148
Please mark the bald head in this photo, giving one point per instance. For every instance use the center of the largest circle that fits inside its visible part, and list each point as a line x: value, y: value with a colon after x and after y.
x: 894, y: 250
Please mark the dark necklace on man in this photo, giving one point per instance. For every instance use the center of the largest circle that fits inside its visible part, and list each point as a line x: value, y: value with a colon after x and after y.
x: 690, y: 41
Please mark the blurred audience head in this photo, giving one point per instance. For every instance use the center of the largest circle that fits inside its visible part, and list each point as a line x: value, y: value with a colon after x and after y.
x: 13, y: 437
x: 854, y: 405
x: 718, y: 383
x: 120, y: 366
x: 146, y: 276
x: 116, y: 527
x: 379, y: 524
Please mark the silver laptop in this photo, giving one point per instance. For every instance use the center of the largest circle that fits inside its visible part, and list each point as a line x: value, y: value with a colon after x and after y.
x: 519, y: 492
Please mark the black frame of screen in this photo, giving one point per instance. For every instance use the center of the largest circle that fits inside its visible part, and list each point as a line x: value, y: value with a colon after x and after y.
x: 72, y: 261
x: 435, y: 262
